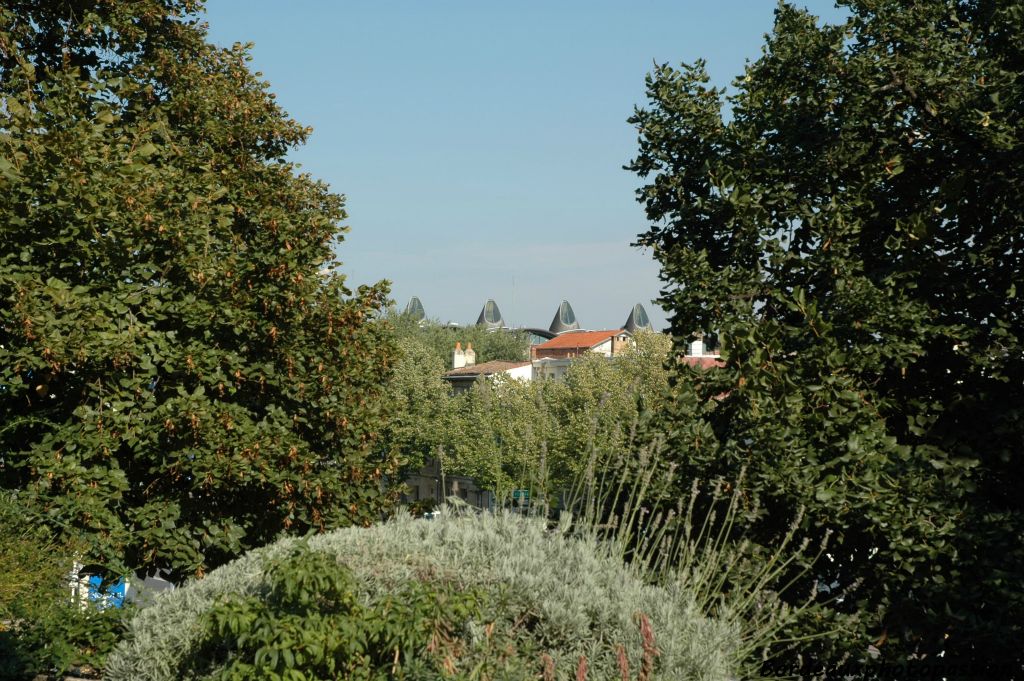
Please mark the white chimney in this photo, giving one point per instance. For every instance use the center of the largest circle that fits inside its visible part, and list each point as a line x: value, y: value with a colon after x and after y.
x: 459, y: 357
x: 470, y: 355
x: 697, y: 346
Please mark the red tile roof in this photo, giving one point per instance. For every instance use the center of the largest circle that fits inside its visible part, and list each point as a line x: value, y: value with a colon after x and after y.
x: 495, y: 366
x: 580, y: 339
x: 703, y: 361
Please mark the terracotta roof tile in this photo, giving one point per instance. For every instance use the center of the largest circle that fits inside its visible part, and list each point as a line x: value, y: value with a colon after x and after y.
x: 580, y: 339
x: 703, y: 361
x: 495, y: 366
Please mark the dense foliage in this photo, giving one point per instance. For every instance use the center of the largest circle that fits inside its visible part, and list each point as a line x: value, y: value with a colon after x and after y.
x: 41, y: 628
x: 509, y: 434
x: 853, y: 231
x: 535, y: 603
x: 418, y: 400
x: 508, y: 344
x: 310, y: 625
x: 183, y: 373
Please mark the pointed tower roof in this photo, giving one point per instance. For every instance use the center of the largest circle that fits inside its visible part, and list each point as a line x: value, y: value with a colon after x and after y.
x: 414, y: 308
x: 490, y: 316
x: 565, y: 319
x: 638, y: 319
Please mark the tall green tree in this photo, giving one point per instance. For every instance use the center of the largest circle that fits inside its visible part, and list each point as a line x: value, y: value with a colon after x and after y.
x: 854, y: 231
x: 183, y: 372
x: 419, y: 402
x: 508, y: 344
x: 511, y: 434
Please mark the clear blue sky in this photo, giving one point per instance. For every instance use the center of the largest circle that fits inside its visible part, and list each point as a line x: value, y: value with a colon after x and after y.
x: 480, y: 145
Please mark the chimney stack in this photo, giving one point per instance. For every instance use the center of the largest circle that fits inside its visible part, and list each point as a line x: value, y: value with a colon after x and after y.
x: 697, y: 347
x: 470, y: 355
x: 459, y: 357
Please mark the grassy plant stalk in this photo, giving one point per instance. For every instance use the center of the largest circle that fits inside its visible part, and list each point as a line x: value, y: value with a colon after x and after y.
x: 695, y: 545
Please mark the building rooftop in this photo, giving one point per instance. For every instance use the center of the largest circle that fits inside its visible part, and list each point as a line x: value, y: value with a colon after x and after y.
x: 579, y: 339
x: 414, y: 308
x: 495, y: 366
x: 490, y: 316
x: 637, y: 319
x: 703, y: 361
x: 565, y: 319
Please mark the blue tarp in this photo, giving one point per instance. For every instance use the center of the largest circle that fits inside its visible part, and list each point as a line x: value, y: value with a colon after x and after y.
x: 110, y: 597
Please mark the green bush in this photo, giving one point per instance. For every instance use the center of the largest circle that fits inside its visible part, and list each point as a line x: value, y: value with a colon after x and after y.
x: 41, y: 629
x: 54, y: 635
x: 511, y: 598
x: 310, y: 624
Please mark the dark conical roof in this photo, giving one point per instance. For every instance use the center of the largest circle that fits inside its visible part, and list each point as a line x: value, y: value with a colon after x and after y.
x: 490, y: 316
x: 637, y: 319
x: 414, y: 308
x: 565, y: 319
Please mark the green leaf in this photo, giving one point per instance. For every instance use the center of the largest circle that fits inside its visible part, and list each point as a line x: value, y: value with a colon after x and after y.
x: 145, y: 150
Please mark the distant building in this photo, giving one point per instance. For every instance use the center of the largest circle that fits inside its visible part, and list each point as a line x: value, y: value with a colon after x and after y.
x: 431, y: 484
x: 490, y: 316
x: 552, y: 358
x: 414, y: 309
x: 638, y: 320
x: 575, y: 343
x: 550, y: 368
x: 465, y: 369
x: 701, y: 356
x: 538, y: 336
x: 462, y: 378
x: 565, y: 319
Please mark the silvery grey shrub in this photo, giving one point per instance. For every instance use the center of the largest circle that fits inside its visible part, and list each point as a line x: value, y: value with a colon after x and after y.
x: 582, y: 599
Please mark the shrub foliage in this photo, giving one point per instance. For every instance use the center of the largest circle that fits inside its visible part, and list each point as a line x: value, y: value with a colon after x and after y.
x: 499, y: 597
x: 310, y: 624
x: 42, y: 629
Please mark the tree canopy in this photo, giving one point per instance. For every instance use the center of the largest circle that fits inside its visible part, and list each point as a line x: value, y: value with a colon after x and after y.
x: 440, y: 339
x: 183, y: 372
x: 509, y: 434
x: 853, y: 232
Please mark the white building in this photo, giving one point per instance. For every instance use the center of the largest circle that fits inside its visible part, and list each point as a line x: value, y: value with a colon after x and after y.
x: 462, y: 378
